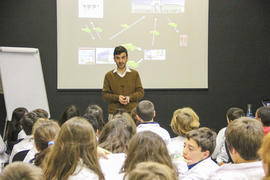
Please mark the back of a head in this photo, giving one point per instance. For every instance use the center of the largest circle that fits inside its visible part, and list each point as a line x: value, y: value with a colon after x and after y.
x: 234, y: 113
x: 184, y: 120
x: 21, y: 171
x: 127, y: 119
x: 245, y: 136
x: 115, y: 136
x: 133, y: 115
x: 152, y: 171
x: 76, y: 141
x: 92, y: 120
x: 145, y: 110
x: 28, y: 121
x: 18, y: 113
x: 264, y: 153
x: 69, y: 112
x: 146, y: 146
x: 119, y: 111
x: 97, y: 112
x: 41, y: 113
x: 14, y: 125
x: 264, y: 114
x: 44, y: 131
x: 204, y: 137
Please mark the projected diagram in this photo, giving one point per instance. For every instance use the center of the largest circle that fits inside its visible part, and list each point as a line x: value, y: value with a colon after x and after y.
x: 153, y: 7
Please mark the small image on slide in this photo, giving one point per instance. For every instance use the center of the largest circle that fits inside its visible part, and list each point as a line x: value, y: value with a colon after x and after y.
x: 87, y: 55
x: 158, y: 6
x: 104, y: 56
x: 183, y: 40
x: 91, y: 9
x: 155, y: 54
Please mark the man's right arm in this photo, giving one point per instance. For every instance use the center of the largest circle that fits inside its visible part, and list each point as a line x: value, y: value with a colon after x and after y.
x: 107, y: 93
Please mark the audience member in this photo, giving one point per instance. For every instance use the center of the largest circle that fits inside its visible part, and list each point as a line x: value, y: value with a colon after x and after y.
x: 244, y: 138
x: 220, y: 154
x: 133, y: 114
x: 21, y: 171
x: 264, y: 153
x: 145, y: 114
x: 74, y: 154
x: 127, y: 120
x: 41, y: 113
x: 263, y: 115
x: 27, y: 122
x: 119, y: 111
x: 199, y: 145
x: 45, y: 132
x: 151, y: 171
x: 69, y: 112
x: 115, y: 137
x: 97, y: 112
x: 93, y: 121
x: 183, y: 121
x: 146, y: 146
x: 14, y: 129
x: 3, y: 155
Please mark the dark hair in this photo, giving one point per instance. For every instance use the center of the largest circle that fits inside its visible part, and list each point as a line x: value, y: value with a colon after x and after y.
x: 70, y: 111
x: 14, y: 125
x: 204, y: 137
x: 92, y: 120
x: 28, y: 122
x: 145, y: 110
x: 235, y: 113
x: 264, y: 114
x: 245, y: 136
x: 119, y: 111
x: 41, y: 113
x: 97, y: 112
x: 120, y: 49
x: 115, y: 136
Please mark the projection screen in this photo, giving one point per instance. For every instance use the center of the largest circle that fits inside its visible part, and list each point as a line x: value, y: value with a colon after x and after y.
x: 167, y: 41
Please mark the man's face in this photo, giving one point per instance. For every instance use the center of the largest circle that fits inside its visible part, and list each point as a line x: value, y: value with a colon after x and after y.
x: 121, y: 60
x: 192, y: 152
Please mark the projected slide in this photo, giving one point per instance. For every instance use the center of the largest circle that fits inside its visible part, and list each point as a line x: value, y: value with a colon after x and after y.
x: 166, y: 40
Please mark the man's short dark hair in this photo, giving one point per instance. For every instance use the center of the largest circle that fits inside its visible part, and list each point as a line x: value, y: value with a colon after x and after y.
x: 264, y: 114
x: 120, y: 49
x: 235, y: 113
x: 145, y: 110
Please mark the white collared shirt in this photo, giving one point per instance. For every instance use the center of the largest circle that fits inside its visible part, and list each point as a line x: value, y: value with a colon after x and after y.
x: 155, y: 128
x: 121, y: 75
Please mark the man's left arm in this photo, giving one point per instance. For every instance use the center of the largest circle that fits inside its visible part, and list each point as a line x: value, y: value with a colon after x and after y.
x: 139, y: 92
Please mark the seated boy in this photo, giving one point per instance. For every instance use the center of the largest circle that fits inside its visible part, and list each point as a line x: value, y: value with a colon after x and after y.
x: 220, y: 153
x: 263, y: 115
x: 199, y: 146
x: 243, y: 138
x: 145, y: 114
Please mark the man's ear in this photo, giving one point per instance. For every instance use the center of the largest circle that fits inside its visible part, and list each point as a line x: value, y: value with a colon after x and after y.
x: 154, y: 114
x: 139, y: 118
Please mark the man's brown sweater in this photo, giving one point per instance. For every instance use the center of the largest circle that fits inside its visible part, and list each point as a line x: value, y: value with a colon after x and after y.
x: 114, y: 85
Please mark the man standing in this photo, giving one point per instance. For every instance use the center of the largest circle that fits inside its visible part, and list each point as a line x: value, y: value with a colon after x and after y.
x: 122, y: 86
